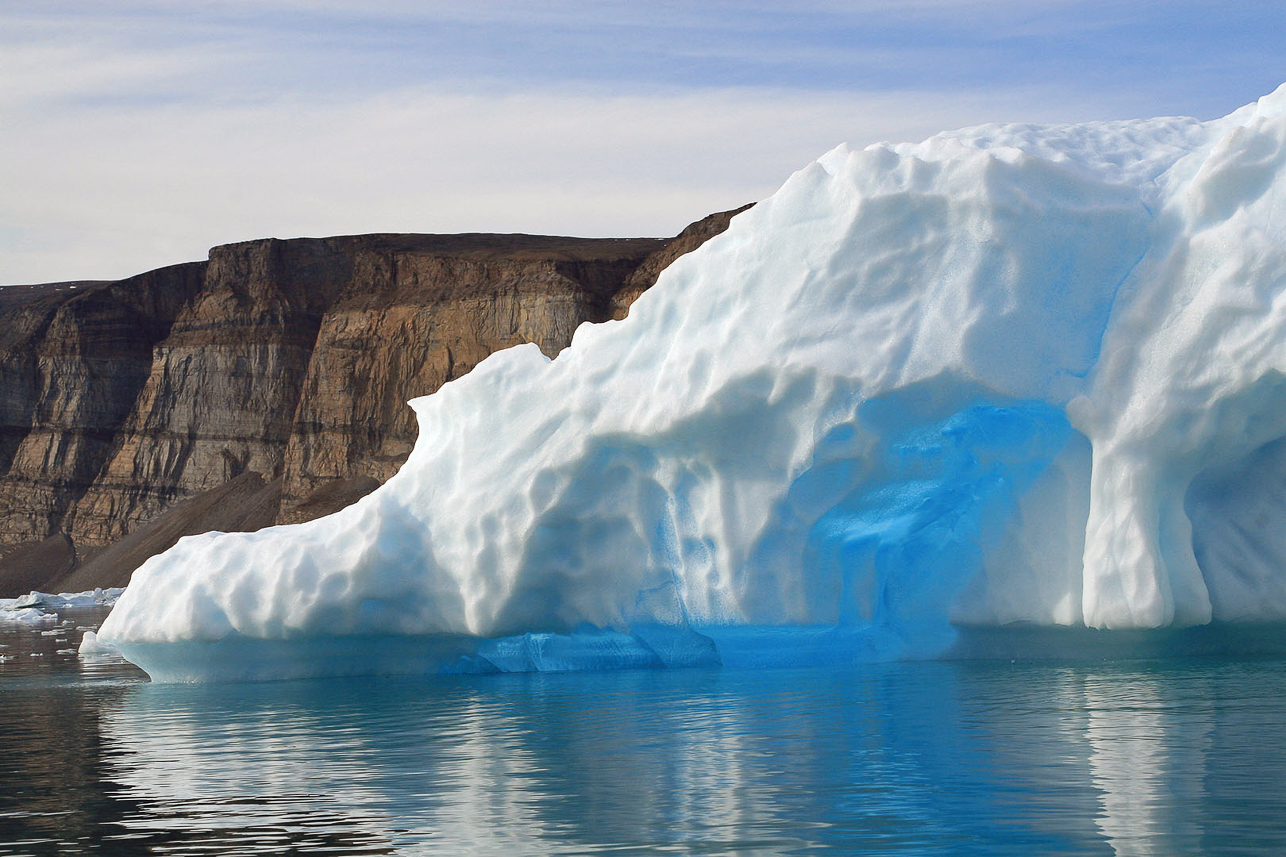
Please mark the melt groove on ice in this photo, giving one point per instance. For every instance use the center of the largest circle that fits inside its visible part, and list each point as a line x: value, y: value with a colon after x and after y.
x: 1012, y: 374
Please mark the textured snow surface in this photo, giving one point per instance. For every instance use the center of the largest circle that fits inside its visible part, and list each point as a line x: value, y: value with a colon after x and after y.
x: 1010, y: 374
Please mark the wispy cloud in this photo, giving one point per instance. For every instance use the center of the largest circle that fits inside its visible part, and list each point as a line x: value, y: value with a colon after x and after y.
x: 141, y: 133
x: 290, y: 46
x: 111, y: 191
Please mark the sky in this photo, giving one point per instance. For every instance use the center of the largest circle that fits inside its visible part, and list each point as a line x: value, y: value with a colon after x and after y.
x: 139, y: 133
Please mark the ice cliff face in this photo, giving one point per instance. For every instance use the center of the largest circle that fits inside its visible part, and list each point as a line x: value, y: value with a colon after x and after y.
x: 1012, y: 373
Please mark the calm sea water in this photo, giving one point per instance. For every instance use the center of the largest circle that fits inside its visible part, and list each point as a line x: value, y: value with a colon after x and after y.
x: 1126, y: 757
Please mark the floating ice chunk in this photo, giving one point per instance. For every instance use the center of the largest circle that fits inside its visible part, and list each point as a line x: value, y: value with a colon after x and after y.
x: 40, y: 608
x: 12, y: 614
x: 94, y: 598
x: 92, y: 647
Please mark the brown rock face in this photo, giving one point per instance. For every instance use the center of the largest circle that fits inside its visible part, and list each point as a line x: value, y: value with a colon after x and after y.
x: 73, y: 364
x: 411, y: 323
x: 276, y: 374
x: 692, y: 237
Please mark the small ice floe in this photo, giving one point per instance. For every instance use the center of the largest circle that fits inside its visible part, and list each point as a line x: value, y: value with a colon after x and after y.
x: 52, y: 633
x: 91, y: 598
x: 90, y: 647
x: 40, y: 608
x: 11, y: 615
x: 66, y: 652
x: 31, y: 599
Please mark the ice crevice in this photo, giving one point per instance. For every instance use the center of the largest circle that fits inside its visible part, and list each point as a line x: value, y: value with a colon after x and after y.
x: 1012, y: 376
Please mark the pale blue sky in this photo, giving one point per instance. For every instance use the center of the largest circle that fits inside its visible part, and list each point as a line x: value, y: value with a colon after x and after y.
x: 136, y: 134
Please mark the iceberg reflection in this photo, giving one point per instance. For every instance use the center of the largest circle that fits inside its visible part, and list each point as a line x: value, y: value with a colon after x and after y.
x: 904, y: 758
x: 1146, y: 778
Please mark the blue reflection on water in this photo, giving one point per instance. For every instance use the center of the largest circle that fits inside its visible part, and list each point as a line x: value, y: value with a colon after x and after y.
x: 1171, y: 756
x: 897, y: 759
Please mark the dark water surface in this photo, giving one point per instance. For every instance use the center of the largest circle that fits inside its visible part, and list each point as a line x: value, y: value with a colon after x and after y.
x: 1126, y: 757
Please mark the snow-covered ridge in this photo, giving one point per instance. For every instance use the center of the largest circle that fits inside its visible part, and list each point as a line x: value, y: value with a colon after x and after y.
x: 1010, y: 374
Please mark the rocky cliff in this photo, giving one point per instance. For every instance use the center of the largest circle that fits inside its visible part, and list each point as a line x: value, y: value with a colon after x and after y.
x: 265, y: 385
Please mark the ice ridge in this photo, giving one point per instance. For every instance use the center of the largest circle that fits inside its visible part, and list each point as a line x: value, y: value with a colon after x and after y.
x: 1012, y: 374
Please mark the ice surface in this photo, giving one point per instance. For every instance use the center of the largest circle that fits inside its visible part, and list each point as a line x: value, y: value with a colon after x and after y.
x: 39, y: 608
x: 13, y: 614
x: 92, y: 598
x: 1012, y: 374
x: 91, y: 647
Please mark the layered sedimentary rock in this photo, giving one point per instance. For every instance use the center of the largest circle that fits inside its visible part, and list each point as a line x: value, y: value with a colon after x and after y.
x: 280, y: 369
x: 74, y: 362
x: 418, y: 321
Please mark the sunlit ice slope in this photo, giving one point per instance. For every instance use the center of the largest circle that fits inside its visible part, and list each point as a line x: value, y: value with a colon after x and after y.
x: 1013, y: 374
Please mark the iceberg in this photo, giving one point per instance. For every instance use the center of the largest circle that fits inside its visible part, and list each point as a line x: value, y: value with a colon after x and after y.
x: 1012, y: 376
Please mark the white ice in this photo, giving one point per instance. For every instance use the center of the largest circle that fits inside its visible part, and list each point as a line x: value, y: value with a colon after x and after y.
x: 92, y: 647
x: 40, y: 608
x: 91, y: 598
x: 13, y: 615
x: 1010, y: 374
x: 36, y: 608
